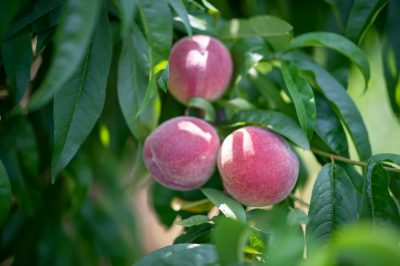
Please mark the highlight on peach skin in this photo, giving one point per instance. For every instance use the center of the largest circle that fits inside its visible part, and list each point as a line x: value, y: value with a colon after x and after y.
x: 181, y: 153
x: 257, y: 166
x: 199, y: 67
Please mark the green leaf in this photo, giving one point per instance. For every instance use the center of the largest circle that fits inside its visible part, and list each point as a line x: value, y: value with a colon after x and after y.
x: 78, y: 105
x: 333, y: 202
x: 338, y: 43
x: 133, y: 83
x: 271, y: 93
x: 5, y: 194
x: 8, y: 9
x: 270, y: 27
x: 228, y: 206
x: 208, y: 109
x: 72, y: 38
x: 360, y: 244
x: 195, y: 234
x: 230, y: 238
x: 161, y: 199
x: 37, y: 12
x: 285, y: 233
x: 17, y: 59
x: 193, y: 220
x: 391, y: 56
x: 329, y: 128
x: 157, y: 25
x: 341, y: 103
x: 378, y: 204
x: 181, y: 255
x: 127, y: 12
x: 19, y: 154
x: 180, y: 10
x: 363, y: 13
x: 302, y: 96
x: 274, y: 121
x: 387, y: 157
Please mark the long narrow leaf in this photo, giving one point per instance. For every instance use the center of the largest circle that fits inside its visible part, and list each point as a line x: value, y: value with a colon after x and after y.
x: 78, y: 105
x: 336, y: 42
x: 71, y: 41
x: 363, y: 13
x: 302, y: 96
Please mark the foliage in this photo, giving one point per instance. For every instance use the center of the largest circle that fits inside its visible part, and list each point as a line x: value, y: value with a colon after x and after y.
x: 83, y: 83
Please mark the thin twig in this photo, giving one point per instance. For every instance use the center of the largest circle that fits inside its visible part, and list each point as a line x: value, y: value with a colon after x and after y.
x: 347, y: 160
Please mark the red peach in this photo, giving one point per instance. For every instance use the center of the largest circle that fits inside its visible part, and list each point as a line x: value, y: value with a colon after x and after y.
x: 199, y: 67
x: 181, y: 153
x: 257, y: 166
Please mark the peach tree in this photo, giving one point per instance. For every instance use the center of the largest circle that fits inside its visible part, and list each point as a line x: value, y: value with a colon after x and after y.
x: 223, y: 106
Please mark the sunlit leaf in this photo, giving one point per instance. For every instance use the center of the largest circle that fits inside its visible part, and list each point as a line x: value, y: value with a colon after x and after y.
x: 180, y: 9
x: 228, y: 206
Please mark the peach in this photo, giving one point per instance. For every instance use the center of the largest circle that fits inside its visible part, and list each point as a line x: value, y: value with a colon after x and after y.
x: 199, y: 67
x: 181, y: 153
x: 257, y: 166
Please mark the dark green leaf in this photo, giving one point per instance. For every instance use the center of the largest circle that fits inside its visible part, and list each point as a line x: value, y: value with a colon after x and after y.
x: 341, y: 103
x: 127, y: 12
x: 17, y: 59
x: 37, y: 12
x: 363, y: 13
x: 230, y: 238
x: 78, y: 105
x: 338, y: 43
x: 195, y: 234
x: 8, y: 9
x: 72, y: 38
x: 18, y: 152
x: 392, y: 56
x: 193, y: 221
x: 181, y: 255
x: 208, y: 109
x: 157, y: 25
x: 377, y: 204
x: 329, y: 128
x: 302, y: 96
x: 333, y: 202
x: 180, y: 10
x: 133, y: 86
x: 5, y: 194
x: 276, y: 30
x: 275, y: 121
x: 228, y: 206
x: 161, y: 199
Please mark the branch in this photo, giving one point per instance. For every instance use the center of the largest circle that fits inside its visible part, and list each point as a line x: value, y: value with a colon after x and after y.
x: 350, y: 161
